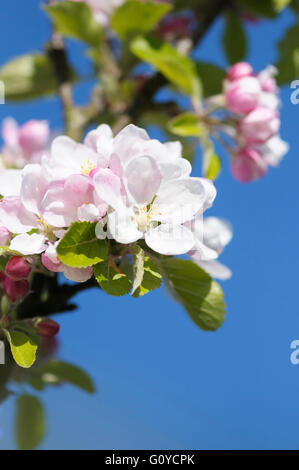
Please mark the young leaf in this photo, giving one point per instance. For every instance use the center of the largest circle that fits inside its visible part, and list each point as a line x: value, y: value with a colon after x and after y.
x: 111, y: 279
x: 177, y: 68
x: 80, y: 248
x: 199, y: 294
x: 138, y: 267
x: 30, y: 422
x: 65, y: 372
x: 23, y: 348
x: 135, y: 17
x: 76, y: 20
x: 186, y: 125
x: 234, y: 39
x: 27, y: 77
x: 260, y: 7
x: 211, y: 161
x: 151, y: 280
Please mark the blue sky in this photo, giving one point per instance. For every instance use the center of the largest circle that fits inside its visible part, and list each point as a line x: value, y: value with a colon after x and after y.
x: 161, y: 382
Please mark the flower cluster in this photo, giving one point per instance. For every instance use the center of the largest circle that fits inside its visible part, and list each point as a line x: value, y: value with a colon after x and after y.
x: 253, y: 100
x: 132, y: 187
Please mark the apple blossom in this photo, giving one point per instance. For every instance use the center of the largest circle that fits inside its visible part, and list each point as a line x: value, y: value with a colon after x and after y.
x: 259, y: 125
x: 239, y: 70
x: 47, y: 328
x: 248, y: 164
x: 16, y: 290
x: 242, y: 95
x: 25, y: 143
x: 212, y: 235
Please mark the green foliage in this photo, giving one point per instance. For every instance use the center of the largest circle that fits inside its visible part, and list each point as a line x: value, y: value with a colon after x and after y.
x: 135, y: 17
x: 151, y: 279
x: 138, y: 267
x: 65, y: 372
x: 186, y: 125
x: 27, y: 77
x: 30, y: 422
x: 23, y: 348
x: 211, y: 161
x: 198, y: 293
x: 234, y: 39
x: 288, y: 63
x: 80, y: 248
x: 177, y: 68
x: 211, y: 77
x: 75, y: 20
x: 111, y: 279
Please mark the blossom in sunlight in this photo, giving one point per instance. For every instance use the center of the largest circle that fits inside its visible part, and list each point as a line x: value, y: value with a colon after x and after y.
x: 254, y: 101
x: 138, y: 187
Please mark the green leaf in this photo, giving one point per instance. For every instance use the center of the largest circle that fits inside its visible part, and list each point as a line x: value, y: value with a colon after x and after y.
x: 211, y: 77
x: 135, y: 17
x: 211, y: 161
x: 3, y: 262
x: 177, y: 68
x: 288, y: 63
x: 281, y: 4
x: 151, y: 280
x: 65, y: 372
x: 234, y: 39
x: 75, y: 20
x: 30, y: 422
x: 80, y: 248
x: 186, y: 125
x: 138, y: 267
x: 27, y: 77
x: 23, y: 348
x: 111, y: 279
x: 196, y: 291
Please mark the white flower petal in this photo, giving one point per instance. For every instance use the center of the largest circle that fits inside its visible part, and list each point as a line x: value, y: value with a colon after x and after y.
x: 28, y: 244
x: 170, y: 240
x: 215, y: 269
x: 10, y: 182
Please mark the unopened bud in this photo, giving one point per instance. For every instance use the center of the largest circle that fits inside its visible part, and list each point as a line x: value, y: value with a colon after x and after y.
x: 16, y: 290
x: 18, y: 268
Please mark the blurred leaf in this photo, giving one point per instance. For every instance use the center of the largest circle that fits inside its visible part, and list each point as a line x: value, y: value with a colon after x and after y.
x: 111, y: 279
x: 80, y: 248
x: 135, y: 17
x: 186, y: 125
x: 211, y: 77
x: 75, y: 20
x: 177, y: 68
x: 198, y: 293
x: 211, y: 161
x: 30, y: 422
x: 281, y: 4
x: 66, y: 372
x: 260, y: 7
x: 151, y: 280
x: 23, y: 348
x: 288, y: 63
x: 27, y: 77
x: 234, y: 39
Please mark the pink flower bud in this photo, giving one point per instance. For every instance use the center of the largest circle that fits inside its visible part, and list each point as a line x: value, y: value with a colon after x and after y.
x: 47, y: 328
x: 259, y: 125
x: 18, y: 268
x: 267, y: 80
x: 248, y: 165
x: 242, y: 96
x: 4, y: 236
x: 33, y: 137
x: 2, y: 276
x: 16, y: 290
x: 239, y: 70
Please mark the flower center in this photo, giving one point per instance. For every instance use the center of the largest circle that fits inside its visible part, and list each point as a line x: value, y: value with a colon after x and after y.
x: 46, y: 229
x: 87, y: 167
x: 144, y: 217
